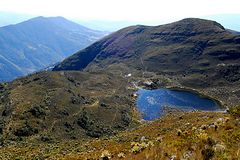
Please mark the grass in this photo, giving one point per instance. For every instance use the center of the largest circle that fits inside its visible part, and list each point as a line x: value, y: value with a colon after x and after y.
x: 155, y: 140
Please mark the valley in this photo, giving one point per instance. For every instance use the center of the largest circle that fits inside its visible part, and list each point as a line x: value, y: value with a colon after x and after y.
x: 86, y: 107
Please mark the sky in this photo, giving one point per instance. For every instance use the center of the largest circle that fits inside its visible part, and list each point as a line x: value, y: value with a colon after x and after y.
x: 122, y: 10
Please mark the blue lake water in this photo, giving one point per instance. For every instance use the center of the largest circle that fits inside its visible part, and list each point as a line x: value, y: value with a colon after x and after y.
x: 151, y: 102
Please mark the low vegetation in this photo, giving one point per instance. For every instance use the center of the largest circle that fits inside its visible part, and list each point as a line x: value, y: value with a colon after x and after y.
x: 196, y: 135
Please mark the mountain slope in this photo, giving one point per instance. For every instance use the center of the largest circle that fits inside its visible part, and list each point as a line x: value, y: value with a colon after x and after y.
x: 65, y: 105
x: 39, y: 42
x: 194, y: 53
x: 176, y: 46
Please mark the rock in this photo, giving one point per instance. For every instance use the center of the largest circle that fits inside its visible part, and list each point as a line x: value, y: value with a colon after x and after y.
x: 148, y: 83
x: 212, y: 126
x: 128, y: 75
x: 134, y: 95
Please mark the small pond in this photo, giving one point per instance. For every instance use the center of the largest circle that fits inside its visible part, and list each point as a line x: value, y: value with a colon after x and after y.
x: 153, y: 103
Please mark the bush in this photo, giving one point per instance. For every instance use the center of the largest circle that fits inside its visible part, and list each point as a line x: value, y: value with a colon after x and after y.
x: 208, y: 153
x: 1, y: 139
x: 25, y: 131
x: 38, y: 111
x: 235, y: 111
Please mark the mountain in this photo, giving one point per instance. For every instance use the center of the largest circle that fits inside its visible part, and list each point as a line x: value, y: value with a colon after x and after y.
x: 88, y: 103
x: 39, y: 42
x: 169, y: 44
x: 200, y: 53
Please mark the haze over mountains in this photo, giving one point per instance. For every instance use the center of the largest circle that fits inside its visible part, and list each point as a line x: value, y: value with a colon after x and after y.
x: 39, y: 42
x: 8, y: 18
x: 230, y: 21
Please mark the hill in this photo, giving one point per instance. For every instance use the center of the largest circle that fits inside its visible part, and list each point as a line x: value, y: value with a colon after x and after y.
x: 39, y: 42
x: 75, y: 104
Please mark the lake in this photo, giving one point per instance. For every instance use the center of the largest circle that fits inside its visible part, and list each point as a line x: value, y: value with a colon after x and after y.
x: 152, y: 103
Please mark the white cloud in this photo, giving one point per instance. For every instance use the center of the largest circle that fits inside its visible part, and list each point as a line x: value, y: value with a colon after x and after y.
x: 127, y: 10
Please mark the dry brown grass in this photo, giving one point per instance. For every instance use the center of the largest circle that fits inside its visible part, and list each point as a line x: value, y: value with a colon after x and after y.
x: 194, y: 142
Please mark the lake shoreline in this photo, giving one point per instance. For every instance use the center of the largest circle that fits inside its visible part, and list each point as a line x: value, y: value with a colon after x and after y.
x: 163, y: 100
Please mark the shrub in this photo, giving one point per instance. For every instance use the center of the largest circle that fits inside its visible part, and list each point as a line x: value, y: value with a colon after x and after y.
x: 25, y: 131
x: 235, y: 111
x: 208, y: 153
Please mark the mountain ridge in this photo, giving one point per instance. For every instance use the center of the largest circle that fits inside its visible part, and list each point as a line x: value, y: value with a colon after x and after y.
x: 188, y: 25
x: 36, y: 43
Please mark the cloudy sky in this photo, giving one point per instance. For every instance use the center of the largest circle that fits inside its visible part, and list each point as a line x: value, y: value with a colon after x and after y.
x: 122, y: 10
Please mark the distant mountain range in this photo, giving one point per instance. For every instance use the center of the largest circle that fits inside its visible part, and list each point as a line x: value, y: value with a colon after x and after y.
x: 39, y: 42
